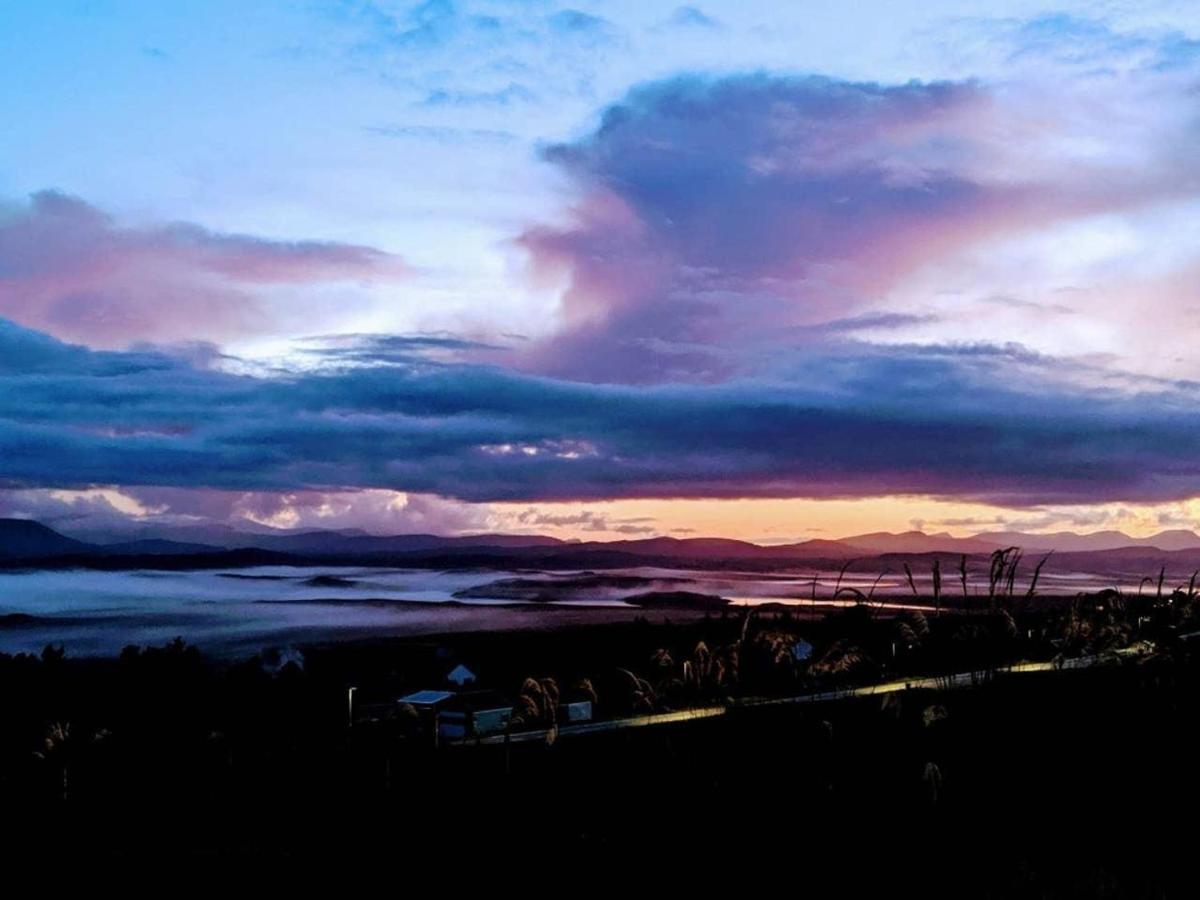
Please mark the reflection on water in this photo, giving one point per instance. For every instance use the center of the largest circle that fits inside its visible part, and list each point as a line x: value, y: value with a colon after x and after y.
x: 100, y: 612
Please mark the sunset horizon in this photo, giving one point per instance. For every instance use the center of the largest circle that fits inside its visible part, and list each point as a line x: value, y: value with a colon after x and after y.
x: 108, y: 514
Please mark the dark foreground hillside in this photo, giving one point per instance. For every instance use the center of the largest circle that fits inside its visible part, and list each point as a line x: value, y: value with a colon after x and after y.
x: 1059, y: 784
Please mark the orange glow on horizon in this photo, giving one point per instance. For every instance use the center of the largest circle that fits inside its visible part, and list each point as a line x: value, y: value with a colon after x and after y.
x: 787, y: 521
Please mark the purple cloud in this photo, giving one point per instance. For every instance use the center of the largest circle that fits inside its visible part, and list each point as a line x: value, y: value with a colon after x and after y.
x: 69, y: 269
x: 716, y: 213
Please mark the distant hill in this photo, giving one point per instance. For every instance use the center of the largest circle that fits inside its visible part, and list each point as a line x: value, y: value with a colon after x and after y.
x: 154, y: 547
x: 919, y: 542
x: 696, y: 550
x: 27, y: 539
x: 331, y: 542
x: 681, y: 548
x: 1070, y: 542
x: 24, y: 538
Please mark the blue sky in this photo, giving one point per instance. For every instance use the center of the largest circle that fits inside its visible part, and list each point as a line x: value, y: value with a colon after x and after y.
x: 720, y: 199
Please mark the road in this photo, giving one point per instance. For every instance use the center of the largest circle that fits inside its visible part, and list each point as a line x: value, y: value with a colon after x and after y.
x: 939, y: 682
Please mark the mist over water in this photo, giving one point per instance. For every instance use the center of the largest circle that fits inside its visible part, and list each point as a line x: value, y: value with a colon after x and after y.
x: 100, y: 612
x: 242, y: 611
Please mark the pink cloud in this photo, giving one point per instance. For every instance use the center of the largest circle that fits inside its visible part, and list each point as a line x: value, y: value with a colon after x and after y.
x: 718, y: 216
x: 69, y: 269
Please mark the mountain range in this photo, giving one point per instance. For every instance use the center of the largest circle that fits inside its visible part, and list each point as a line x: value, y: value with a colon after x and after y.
x: 23, y: 539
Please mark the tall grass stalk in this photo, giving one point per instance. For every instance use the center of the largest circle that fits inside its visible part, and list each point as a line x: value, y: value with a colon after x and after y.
x: 937, y: 586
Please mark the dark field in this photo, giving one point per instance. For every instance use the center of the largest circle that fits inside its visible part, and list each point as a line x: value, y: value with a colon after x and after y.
x: 1063, y: 783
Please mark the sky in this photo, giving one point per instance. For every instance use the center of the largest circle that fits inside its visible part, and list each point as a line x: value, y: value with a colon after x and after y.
x: 765, y: 270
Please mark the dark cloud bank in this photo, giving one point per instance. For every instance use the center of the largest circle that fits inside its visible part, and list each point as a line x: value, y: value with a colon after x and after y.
x: 845, y: 424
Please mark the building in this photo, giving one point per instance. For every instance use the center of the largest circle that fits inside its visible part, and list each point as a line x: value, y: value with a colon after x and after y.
x: 460, y: 676
x: 474, y: 714
x: 426, y: 701
x: 458, y: 716
x: 579, y: 711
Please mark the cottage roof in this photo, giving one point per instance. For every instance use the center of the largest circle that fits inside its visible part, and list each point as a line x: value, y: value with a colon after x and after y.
x: 426, y: 698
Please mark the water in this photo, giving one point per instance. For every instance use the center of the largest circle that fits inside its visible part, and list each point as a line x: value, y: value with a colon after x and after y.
x: 101, y: 612
x: 245, y: 610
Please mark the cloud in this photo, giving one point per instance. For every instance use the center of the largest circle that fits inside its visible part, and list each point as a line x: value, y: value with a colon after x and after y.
x: 70, y: 269
x: 375, y: 511
x: 426, y: 25
x: 714, y: 212
x: 448, y: 58
x: 874, y: 322
x: 1029, y: 305
x: 1002, y: 427
x: 396, y: 349
x: 499, y: 97
x: 443, y: 134
x: 69, y: 510
x: 112, y: 513
x: 1090, y: 43
x: 591, y: 31
x: 692, y: 17
x: 731, y: 243
x: 587, y: 520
